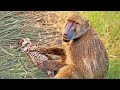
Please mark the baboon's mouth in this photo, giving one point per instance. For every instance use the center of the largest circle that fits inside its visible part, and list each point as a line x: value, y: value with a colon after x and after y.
x: 66, y: 40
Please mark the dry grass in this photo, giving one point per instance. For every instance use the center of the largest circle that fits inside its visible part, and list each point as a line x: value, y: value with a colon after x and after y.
x: 16, y: 25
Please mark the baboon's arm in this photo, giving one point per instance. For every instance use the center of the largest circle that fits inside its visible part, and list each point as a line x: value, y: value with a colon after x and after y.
x: 53, y: 50
x: 56, y: 51
x: 65, y: 73
x: 52, y: 65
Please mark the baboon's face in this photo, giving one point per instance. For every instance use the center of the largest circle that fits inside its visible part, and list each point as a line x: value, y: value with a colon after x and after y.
x: 74, y: 28
x: 24, y: 44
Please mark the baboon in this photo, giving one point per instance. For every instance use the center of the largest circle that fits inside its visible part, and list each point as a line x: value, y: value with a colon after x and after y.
x: 28, y: 48
x: 84, y: 54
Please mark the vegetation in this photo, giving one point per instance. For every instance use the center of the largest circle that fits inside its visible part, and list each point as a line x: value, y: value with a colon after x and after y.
x: 43, y: 27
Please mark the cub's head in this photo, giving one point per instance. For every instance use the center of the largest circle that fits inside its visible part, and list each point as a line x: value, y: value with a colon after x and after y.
x: 25, y: 45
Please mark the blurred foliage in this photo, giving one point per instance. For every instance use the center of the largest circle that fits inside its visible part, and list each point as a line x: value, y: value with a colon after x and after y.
x: 43, y: 27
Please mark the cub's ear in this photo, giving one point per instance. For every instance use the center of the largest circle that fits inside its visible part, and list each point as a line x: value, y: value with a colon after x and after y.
x: 20, y: 41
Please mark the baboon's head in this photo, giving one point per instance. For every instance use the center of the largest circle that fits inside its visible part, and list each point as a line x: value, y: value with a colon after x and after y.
x: 75, y: 27
x: 24, y: 44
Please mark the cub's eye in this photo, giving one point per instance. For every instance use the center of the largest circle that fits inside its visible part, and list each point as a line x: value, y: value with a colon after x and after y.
x: 27, y: 44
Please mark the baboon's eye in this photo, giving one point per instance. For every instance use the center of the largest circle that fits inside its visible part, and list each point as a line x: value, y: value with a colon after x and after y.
x: 70, y: 20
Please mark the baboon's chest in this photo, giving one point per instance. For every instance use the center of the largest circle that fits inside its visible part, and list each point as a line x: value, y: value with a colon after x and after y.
x: 76, y: 51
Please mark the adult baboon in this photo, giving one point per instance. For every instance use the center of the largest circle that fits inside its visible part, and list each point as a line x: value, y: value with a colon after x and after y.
x: 84, y: 55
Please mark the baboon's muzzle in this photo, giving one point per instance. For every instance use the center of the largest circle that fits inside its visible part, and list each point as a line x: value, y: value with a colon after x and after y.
x: 65, y: 38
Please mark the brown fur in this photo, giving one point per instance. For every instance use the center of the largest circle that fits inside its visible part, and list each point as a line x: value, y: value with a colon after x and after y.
x: 88, y: 55
x: 84, y: 57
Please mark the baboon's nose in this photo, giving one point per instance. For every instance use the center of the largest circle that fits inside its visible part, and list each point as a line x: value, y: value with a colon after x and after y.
x: 64, y: 35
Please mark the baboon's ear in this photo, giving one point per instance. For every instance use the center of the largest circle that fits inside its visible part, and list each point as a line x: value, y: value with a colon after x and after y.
x: 86, y: 23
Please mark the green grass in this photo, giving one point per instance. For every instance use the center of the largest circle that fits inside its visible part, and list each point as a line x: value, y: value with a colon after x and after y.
x: 13, y: 64
x: 114, y: 69
x: 15, y: 25
x: 103, y: 20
